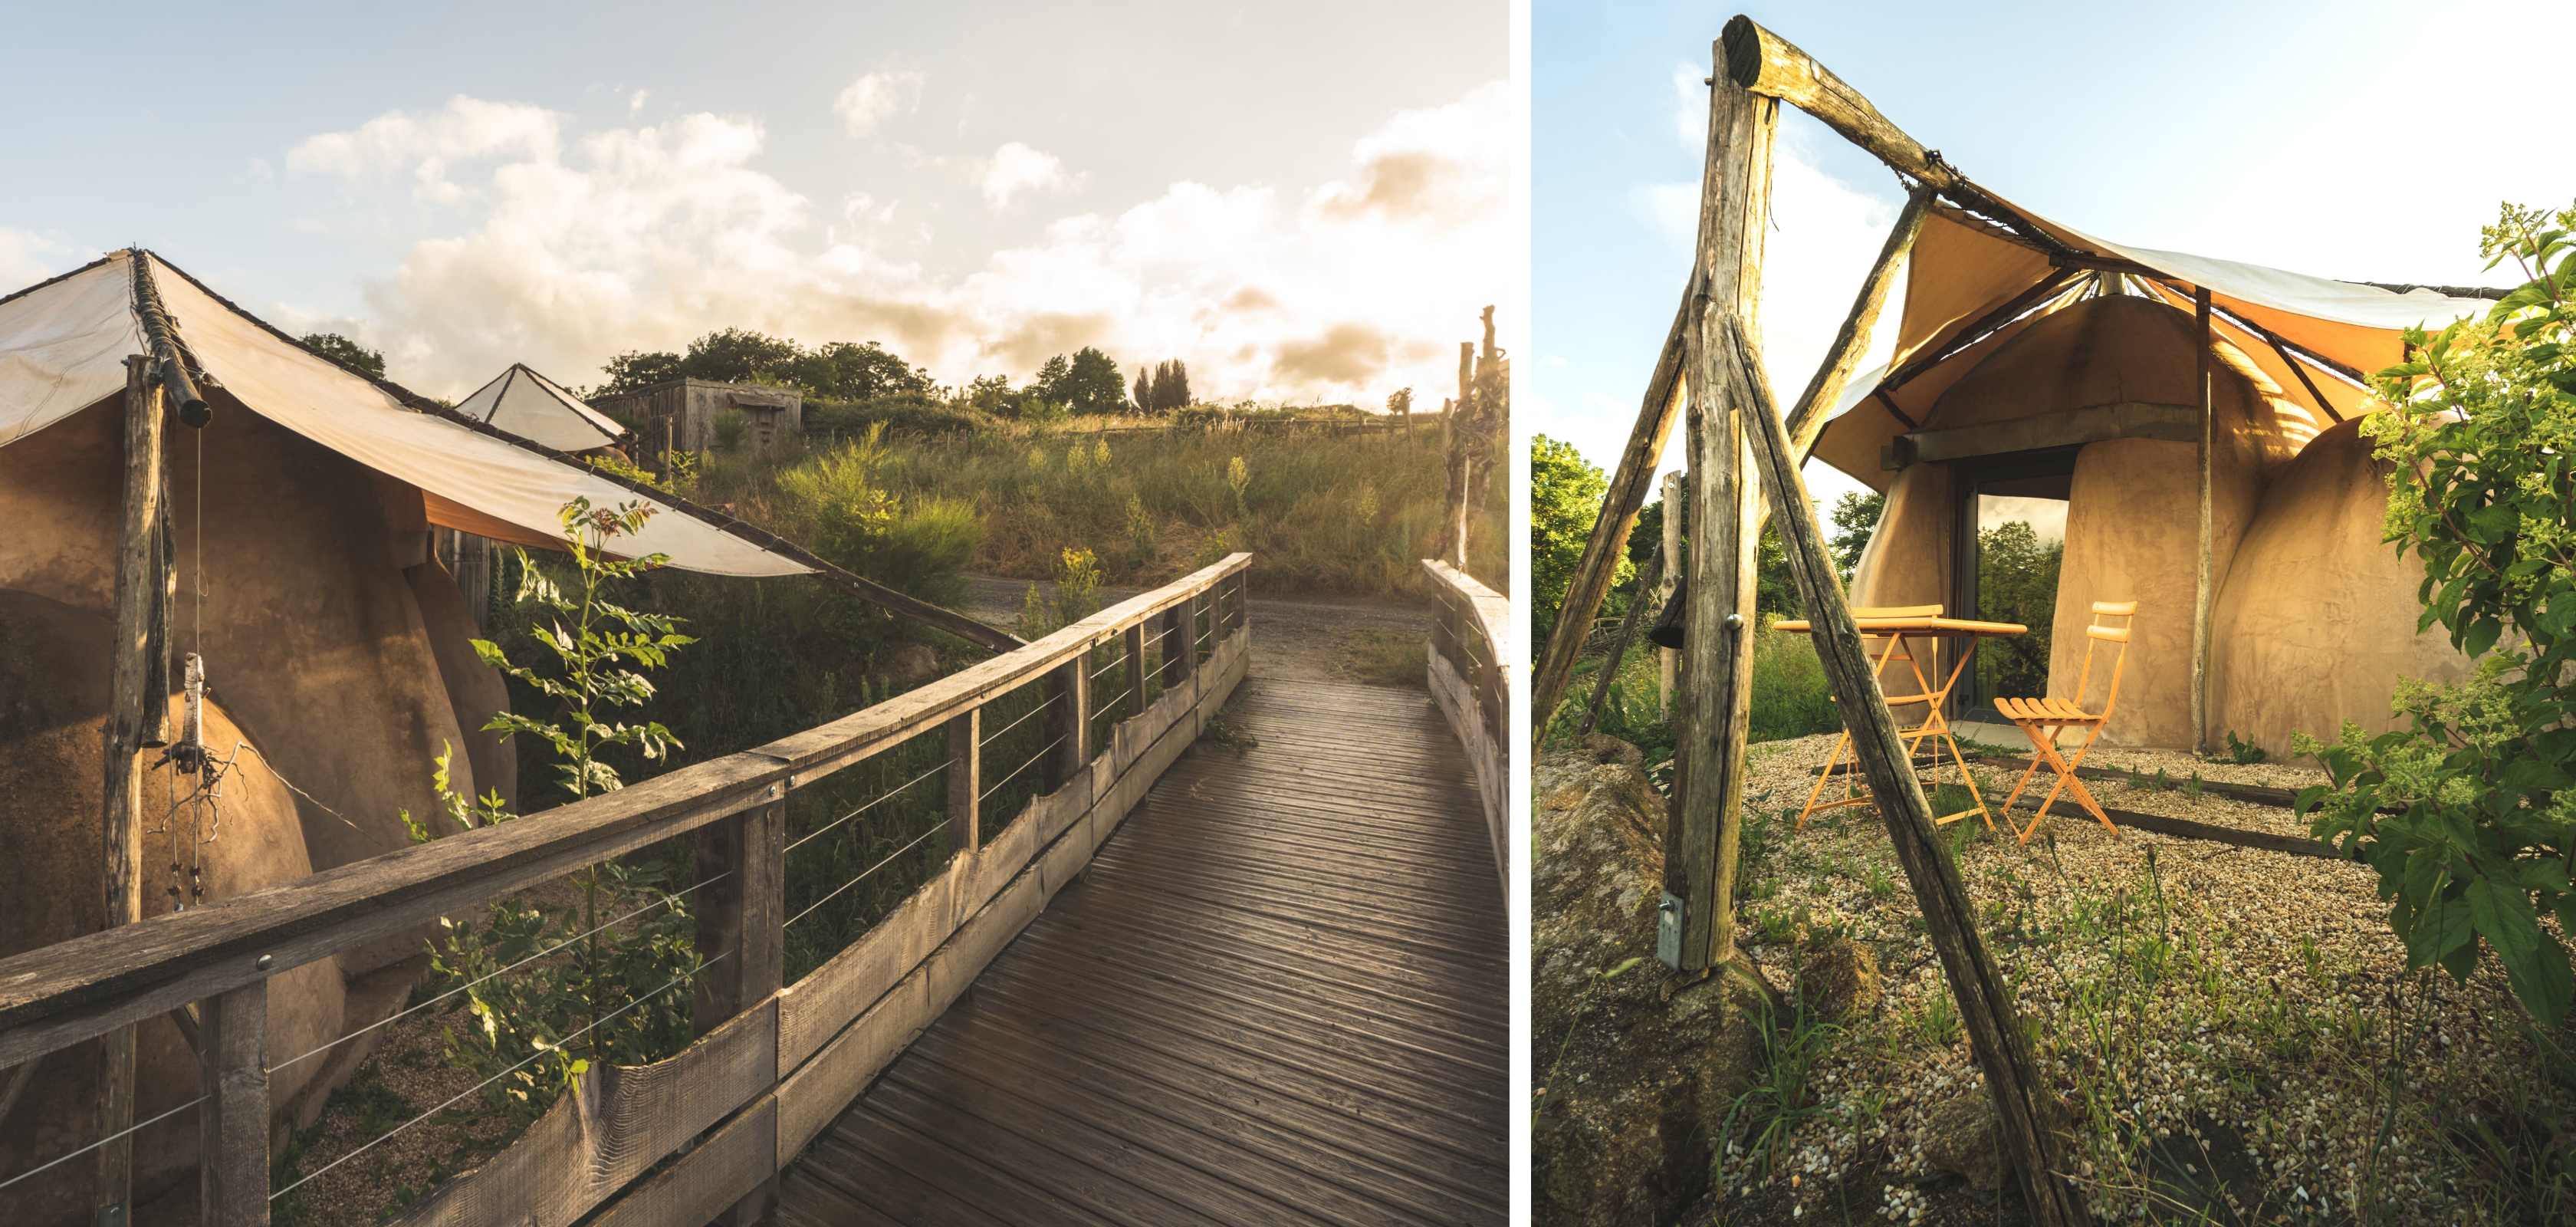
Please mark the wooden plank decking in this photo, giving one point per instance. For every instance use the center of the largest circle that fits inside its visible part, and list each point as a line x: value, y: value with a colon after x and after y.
x: 1278, y: 997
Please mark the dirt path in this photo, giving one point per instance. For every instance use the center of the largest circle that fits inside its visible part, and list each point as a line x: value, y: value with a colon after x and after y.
x: 1303, y: 638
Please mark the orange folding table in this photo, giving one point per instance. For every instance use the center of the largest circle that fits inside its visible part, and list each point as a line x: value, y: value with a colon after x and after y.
x: 1905, y: 636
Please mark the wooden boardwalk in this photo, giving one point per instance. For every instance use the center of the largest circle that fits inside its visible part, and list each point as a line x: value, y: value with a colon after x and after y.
x: 1277, y: 997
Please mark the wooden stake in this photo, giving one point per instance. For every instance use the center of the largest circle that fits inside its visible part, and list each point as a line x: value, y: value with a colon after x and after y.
x: 2203, y: 581
x: 1985, y: 999
x: 138, y: 715
x: 1702, y: 827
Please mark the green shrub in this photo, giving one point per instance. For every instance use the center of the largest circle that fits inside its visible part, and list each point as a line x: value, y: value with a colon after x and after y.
x: 1790, y: 697
x: 900, y: 413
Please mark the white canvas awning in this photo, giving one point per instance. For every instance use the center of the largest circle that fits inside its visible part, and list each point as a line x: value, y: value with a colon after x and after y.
x: 62, y: 349
x: 531, y: 406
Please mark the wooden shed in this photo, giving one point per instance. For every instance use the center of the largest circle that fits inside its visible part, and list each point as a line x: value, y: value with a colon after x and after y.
x: 683, y: 413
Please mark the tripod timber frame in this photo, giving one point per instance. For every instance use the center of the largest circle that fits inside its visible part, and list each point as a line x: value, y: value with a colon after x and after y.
x: 1736, y: 434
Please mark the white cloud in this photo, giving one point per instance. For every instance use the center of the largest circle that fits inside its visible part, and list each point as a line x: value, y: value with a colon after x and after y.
x: 875, y: 98
x: 644, y: 237
x: 1015, y: 168
x: 465, y: 130
x: 635, y: 103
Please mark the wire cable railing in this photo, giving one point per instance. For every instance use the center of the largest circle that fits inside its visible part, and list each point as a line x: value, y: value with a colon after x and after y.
x: 1034, y: 760
x: 869, y: 872
x: 881, y: 798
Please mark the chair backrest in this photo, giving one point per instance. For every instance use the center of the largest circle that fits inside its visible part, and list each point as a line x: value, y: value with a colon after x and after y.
x: 1890, y: 611
x: 2096, y: 634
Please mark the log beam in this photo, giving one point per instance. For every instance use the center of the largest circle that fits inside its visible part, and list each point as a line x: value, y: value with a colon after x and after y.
x: 2203, y: 580
x: 138, y: 716
x: 1995, y: 1032
x: 1696, y: 926
x: 1609, y: 675
x: 1767, y: 64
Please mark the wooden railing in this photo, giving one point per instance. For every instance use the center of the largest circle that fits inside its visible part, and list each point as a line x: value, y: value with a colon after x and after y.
x: 1470, y: 677
x: 772, y: 1065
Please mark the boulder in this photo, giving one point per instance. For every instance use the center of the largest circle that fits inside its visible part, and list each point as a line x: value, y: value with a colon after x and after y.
x: 1840, y: 982
x: 1958, y: 1136
x: 1631, y: 1064
x: 911, y: 665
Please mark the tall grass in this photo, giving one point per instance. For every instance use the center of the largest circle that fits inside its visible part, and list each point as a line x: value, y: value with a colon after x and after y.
x: 1321, y: 511
x: 1789, y: 697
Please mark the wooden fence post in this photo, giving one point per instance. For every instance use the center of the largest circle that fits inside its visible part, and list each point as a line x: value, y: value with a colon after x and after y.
x: 232, y: 1122
x: 742, y: 863
x: 2022, y: 1098
x: 965, y: 781
x: 1135, y: 642
x: 1068, y: 721
x: 1696, y: 924
x: 138, y: 716
x: 1180, y: 659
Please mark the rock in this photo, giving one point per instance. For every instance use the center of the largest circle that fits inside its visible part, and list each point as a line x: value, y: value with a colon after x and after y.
x: 1630, y: 1071
x: 1958, y: 1135
x: 1840, y: 982
x: 1961, y: 1135
x: 1605, y: 748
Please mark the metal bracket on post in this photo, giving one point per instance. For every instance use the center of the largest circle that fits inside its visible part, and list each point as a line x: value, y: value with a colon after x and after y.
x: 1668, y: 931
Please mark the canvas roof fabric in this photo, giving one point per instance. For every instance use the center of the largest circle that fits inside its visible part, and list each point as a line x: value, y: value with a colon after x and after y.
x: 1963, y: 272
x: 531, y: 406
x: 62, y: 349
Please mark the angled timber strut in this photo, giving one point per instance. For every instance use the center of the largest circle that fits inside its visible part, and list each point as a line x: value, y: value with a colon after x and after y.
x: 2129, y: 354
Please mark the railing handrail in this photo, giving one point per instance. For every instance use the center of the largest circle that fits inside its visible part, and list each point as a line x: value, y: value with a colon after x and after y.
x: 67, y: 992
x: 1492, y: 609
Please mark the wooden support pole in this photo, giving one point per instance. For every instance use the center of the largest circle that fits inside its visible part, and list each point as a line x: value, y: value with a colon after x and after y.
x: 1609, y: 675
x: 2203, y: 580
x: 1135, y: 644
x: 1994, y: 1029
x: 232, y: 1121
x: 1180, y: 656
x: 1068, y: 721
x: 965, y: 781
x: 1696, y: 927
x: 138, y: 716
x: 742, y: 863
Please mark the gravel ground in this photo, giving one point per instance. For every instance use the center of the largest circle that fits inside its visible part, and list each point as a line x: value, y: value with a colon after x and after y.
x: 2221, y: 1018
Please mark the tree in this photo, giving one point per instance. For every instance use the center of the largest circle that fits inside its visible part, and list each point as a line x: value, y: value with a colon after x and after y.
x: 2475, y: 448
x: 841, y: 370
x: 346, y: 352
x: 1565, y: 498
x: 634, y: 371
x: 738, y: 355
x: 1171, y: 386
x: 1144, y: 392
x: 1091, y: 383
x: 2016, y: 582
x: 993, y: 394
x: 1855, y: 518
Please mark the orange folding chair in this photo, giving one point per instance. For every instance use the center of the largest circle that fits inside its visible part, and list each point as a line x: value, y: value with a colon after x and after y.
x: 1884, y: 649
x: 2045, y: 720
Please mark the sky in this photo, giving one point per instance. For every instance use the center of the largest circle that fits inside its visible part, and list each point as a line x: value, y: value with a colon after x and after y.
x: 1305, y: 203
x: 2363, y: 141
